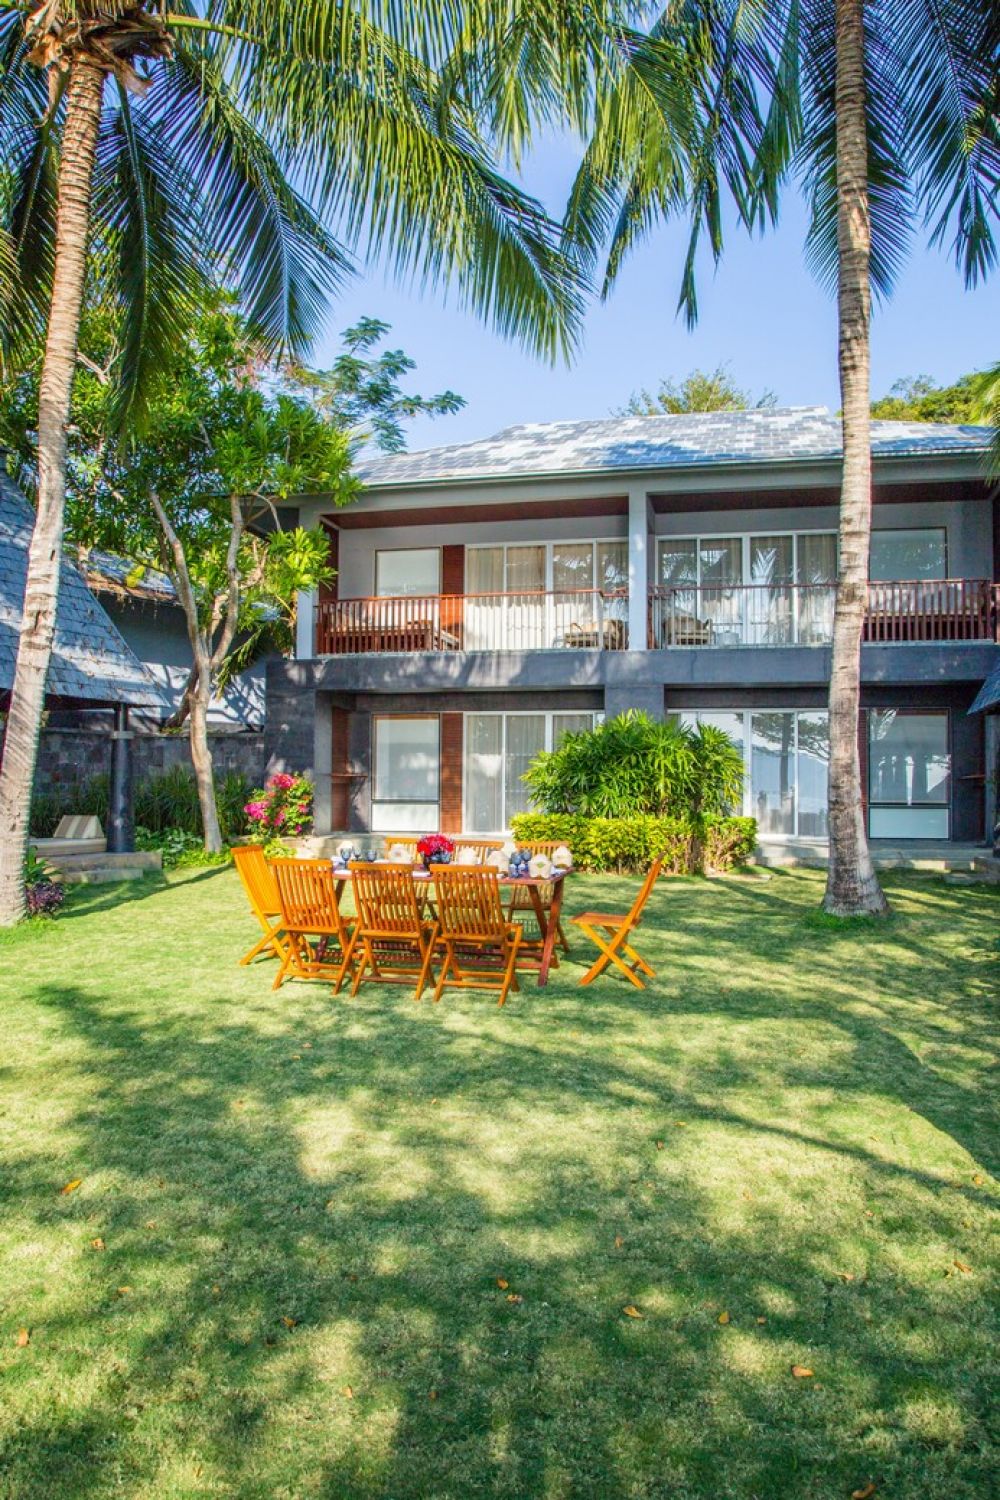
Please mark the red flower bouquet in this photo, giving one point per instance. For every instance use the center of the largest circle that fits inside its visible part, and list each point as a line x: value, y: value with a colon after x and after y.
x: 436, y: 849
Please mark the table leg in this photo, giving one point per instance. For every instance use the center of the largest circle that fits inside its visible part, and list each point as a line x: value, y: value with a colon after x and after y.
x: 549, y: 927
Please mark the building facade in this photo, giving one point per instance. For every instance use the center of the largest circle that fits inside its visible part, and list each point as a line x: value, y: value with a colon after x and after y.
x: 491, y: 596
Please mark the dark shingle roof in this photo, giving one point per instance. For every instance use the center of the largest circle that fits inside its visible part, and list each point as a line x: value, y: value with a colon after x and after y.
x: 90, y: 660
x: 767, y: 436
x: 988, y: 696
x: 106, y: 572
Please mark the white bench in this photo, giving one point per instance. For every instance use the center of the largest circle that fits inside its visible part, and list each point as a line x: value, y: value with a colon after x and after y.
x: 73, y: 835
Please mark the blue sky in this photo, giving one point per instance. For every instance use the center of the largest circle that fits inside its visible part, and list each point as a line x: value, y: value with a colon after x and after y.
x: 761, y: 313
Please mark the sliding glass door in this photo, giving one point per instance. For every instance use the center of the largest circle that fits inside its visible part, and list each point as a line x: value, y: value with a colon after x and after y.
x: 499, y: 748
x: 786, y: 757
x: 533, y: 596
x: 758, y: 590
x: 909, y: 775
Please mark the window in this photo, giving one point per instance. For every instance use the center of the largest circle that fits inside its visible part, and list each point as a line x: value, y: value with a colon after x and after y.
x: 499, y: 748
x: 904, y: 555
x: 406, y: 774
x: 533, y: 596
x: 786, y: 757
x: 761, y: 590
x: 408, y: 570
x: 909, y: 775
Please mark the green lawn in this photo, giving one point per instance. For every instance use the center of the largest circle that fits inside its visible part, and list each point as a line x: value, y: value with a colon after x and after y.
x: 281, y: 1273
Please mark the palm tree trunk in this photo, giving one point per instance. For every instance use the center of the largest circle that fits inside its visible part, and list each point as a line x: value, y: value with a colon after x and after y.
x: 852, y: 886
x: 20, y: 752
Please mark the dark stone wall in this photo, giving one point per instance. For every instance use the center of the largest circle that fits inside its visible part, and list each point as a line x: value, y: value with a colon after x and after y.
x: 70, y: 757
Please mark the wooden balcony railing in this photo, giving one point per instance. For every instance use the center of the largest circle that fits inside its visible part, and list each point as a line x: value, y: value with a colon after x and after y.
x: 531, y: 621
x: 948, y: 609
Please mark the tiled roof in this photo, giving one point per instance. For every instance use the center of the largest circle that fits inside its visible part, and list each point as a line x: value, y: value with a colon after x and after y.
x: 118, y: 575
x: 988, y: 696
x: 767, y: 436
x: 90, y: 660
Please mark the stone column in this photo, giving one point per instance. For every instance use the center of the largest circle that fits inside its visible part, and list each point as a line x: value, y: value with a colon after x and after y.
x: 121, y: 818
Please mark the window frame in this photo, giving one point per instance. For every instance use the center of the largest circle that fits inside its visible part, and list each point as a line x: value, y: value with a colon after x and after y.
x: 385, y: 551
x: 563, y: 541
x: 596, y: 717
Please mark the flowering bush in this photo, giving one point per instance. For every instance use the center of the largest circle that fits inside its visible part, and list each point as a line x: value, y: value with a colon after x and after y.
x: 281, y: 807
x: 44, y: 898
x: 43, y: 894
x: 436, y: 848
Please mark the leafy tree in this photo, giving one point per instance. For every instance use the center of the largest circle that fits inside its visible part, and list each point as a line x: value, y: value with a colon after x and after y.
x: 702, y: 390
x: 222, y: 136
x: 195, y: 497
x: 361, y: 393
x: 920, y: 399
x: 885, y: 111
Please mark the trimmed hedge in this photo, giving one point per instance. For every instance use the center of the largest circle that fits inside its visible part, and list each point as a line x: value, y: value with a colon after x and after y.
x: 624, y: 845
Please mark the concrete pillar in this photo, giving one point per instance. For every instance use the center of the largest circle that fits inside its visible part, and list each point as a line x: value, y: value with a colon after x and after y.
x: 305, y: 625
x: 648, y: 697
x: 121, y: 817
x: 639, y: 571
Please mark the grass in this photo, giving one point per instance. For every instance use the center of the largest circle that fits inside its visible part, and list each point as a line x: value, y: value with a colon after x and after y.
x: 280, y: 1275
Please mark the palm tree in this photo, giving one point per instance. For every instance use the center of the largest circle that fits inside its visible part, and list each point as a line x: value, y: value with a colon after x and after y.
x: 149, y: 143
x: 887, y: 112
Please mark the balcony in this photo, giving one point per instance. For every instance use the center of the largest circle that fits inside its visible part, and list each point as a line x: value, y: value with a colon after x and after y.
x: 762, y: 615
x: 579, y: 620
x: 917, y: 611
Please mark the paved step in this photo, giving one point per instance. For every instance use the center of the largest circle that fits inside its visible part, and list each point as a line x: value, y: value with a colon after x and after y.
x: 102, y: 875
x: 100, y: 869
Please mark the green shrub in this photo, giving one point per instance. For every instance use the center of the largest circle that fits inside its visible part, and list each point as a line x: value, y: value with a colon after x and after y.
x: 633, y: 765
x: 727, y: 842
x: 166, y: 801
x: 180, y: 848
x: 621, y: 845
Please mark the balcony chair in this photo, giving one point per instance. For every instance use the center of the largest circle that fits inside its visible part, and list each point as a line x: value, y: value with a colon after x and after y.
x: 480, y: 945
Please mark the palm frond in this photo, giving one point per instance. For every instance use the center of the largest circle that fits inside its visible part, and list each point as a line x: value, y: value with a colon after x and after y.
x: 145, y: 211
x: 947, y: 67
x: 410, y: 179
x: 890, y: 198
x: 265, y: 236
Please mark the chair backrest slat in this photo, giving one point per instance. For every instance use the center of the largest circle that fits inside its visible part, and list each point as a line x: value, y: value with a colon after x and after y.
x: 652, y: 876
x: 385, y: 897
x: 258, y: 880
x: 468, y: 902
x: 308, y: 895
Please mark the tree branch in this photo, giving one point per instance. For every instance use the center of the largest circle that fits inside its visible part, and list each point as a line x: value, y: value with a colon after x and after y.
x: 182, y: 582
x: 233, y: 574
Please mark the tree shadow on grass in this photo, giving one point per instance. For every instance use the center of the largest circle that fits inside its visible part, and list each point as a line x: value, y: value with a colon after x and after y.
x: 312, y: 1207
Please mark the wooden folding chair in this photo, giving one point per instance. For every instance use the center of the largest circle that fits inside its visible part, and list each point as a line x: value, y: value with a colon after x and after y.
x: 521, y: 901
x: 265, y: 903
x: 610, y: 931
x: 394, y: 939
x: 316, y: 930
x: 480, y: 847
x: 390, y: 840
x: 473, y: 926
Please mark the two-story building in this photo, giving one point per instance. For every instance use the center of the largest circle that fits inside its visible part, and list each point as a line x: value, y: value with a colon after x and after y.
x: 492, y: 595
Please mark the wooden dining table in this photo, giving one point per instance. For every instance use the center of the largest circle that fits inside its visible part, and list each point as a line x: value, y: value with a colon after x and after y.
x: 540, y: 953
